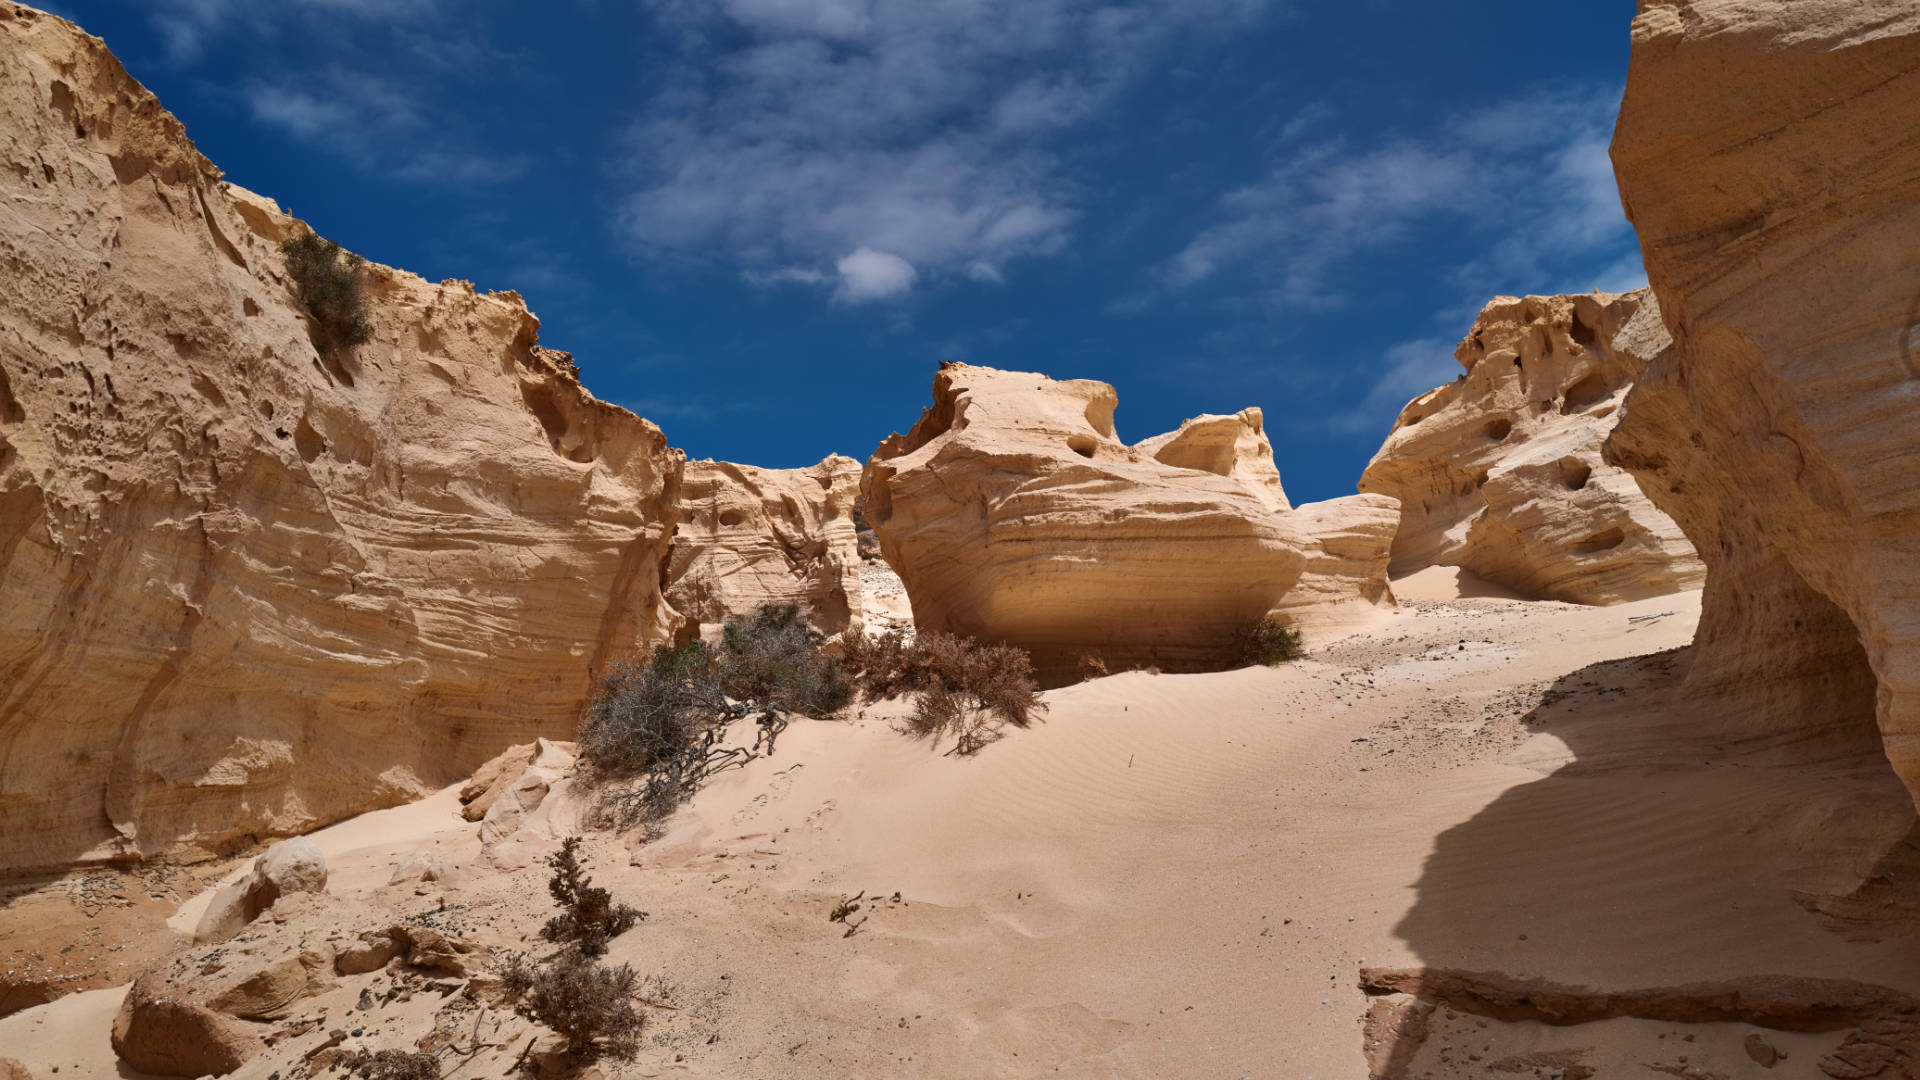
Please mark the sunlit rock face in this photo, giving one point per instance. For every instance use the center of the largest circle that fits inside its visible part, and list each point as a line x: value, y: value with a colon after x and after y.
x: 1013, y: 512
x: 1500, y: 471
x: 250, y: 588
x: 749, y: 537
x: 1765, y: 156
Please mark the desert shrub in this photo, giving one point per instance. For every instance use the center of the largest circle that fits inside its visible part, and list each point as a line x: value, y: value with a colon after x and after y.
x: 1092, y: 667
x: 652, y: 735
x: 391, y: 1065
x: 1267, y: 641
x: 773, y: 656
x: 588, y: 916
x: 588, y: 1002
x: 332, y: 283
x: 959, y: 688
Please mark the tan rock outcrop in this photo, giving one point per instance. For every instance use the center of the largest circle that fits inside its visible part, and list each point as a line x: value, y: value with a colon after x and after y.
x: 751, y: 537
x: 1500, y: 471
x: 249, y: 588
x: 1344, y: 581
x: 290, y: 866
x: 1013, y: 512
x: 1764, y: 156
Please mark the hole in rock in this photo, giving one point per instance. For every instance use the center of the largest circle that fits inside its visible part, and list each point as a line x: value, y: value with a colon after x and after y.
x: 541, y: 403
x: 1081, y: 444
x: 1574, y: 473
x: 307, y: 441
x: 731, y: 517
x: 10, y: 410
x: 1586, y: 393
x: 1583, y: 335
x: 1604, y: 540
x: 1498, y: 429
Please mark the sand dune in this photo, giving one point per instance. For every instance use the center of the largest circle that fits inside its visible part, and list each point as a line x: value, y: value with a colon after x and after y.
x: 1184, y: 875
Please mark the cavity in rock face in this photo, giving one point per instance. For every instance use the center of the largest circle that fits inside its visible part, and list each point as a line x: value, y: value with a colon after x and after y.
x: 1500, y: 472
x: 1778, y: 223
x: 248, y: 592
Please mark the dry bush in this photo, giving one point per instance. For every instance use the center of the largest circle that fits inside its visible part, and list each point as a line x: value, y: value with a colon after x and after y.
x: 391, y: 1065
x: 588, y: 916
x: 589, y: 1003
x: 959, y: 687
x: 332, y: 284
x: 1092, y: 667
x: 1268, y: 641
x: 652, y: 735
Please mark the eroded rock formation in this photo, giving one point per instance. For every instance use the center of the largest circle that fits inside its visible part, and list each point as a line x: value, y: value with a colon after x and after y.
x: 1765, y: 158
x: 751, y: 537
x: 249, y: 587
x: 1500, y: 471
x: 1013, y: 512
x: 1348, y: 544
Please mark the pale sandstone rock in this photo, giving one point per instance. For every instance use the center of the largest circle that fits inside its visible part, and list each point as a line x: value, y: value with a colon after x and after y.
x: 250, y: 590
x: 1765, y: 159
x: 420, y: 866
x: 290, y: 866
x: 1344, y: 581
x: 1013, y: 512
x: 478, y: 794
x: 1500, y: 471
x: 751, y: 537
x: 11, y: 1069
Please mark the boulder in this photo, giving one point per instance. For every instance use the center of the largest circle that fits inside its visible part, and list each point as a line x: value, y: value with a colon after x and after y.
x: 156, y: 1032
x: 1500, y: 471
x: 253, y: 586
x: 420, y: 866
x: 1763, y: 156
x: 749, y: 537
x: 1013, y: 512
x: 290, y: 866
x: 489, y: 780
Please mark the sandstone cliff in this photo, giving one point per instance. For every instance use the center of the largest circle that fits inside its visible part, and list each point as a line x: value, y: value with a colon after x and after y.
x: 1013, y: 512
x: 750, y: 537
x: 1500, y: 471
x: 250, y: 588
x: 1765, y: 154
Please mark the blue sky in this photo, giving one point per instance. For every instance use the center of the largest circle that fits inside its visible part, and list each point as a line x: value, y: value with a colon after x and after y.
x: 762, y: 223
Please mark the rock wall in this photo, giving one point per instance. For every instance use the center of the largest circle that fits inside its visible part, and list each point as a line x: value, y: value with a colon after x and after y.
x: 1348, y: 545
x: 249, y: 588
x: 1766, y: 156
x: 1013, y: 512
x: 1500, y: 471
x: 751, y: 536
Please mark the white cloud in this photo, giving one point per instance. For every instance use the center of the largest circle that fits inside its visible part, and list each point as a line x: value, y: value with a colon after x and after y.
x: 867, y: 274
x: 186, y: 25
x: 379, y: 126
x: 1525, y: 186
x: 789, y: 132
x: 1408, y: 370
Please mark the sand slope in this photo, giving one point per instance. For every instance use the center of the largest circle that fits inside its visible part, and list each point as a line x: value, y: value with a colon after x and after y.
x: 1184, y: 875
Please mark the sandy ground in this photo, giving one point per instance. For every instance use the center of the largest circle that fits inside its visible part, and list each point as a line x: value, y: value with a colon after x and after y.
x: 1188, y: 875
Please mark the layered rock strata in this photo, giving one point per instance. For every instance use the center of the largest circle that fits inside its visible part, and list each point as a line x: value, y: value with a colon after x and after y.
x: 751, y: 537
x: 251, y: 587
x: 1500, y: 471
x: 1765, y: 156
x: 1013, y: 512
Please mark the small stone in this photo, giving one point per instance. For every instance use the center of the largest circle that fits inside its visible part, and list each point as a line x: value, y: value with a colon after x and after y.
x: 1762, y: 1052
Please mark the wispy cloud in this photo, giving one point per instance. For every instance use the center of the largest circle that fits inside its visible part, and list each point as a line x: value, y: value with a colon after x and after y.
x: 1479, y: 173
x: 185, y: 26
x: 802, y: 132
x: 1408, y: 370
x: 379, y: 125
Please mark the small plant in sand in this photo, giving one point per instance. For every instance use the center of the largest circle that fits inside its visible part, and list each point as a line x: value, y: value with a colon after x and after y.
x: 1268, y: 642
x: 655, y: 731
x: 588, y: 916
x: 332, y: 283
x: 959, y: 688
x: 391, y: 1065
x: 590, y: 1003
x: 1092, y: 667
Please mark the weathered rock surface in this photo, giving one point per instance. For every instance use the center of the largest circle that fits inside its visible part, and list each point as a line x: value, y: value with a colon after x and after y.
x: 205, y: 1009
x: 1500, y: 471
x: 1348, y: 542
x: 290, y: 866
x: 250, y: 589
x: 1013, y: 512
x: 751, y: 537
x: 1764, y: 154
